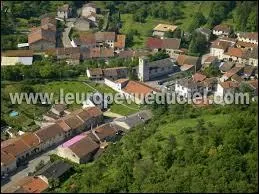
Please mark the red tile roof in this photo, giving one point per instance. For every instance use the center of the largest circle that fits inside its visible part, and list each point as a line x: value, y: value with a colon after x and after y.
x: 27, y: 184
x: 49, y: 132
x: 170, y: 43
x: 229, y: 84
x: 135, y: 87
x: 236, y: 52
x: 198, y: 77
x: 41, y: 34
x: 249, y: 35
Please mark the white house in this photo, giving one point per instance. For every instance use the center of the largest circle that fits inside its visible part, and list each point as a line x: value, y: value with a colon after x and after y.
x: 187, y: 87
x: 224, y: 88
x: 250, y: 37
x: 12, y: 57
x: 221, y: 30
x: 220, y: 46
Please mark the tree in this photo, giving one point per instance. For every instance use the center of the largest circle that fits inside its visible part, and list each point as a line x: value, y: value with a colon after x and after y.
x: 158, y: 56
x: 198, y: 44
x: 212, y: 71
x: 53, y: 182
x: 197, y: 21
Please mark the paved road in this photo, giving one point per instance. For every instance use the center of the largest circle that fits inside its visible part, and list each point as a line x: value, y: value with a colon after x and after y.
x: 29, y: 168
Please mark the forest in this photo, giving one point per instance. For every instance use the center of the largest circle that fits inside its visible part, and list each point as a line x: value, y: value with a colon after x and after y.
x: 183, y: 149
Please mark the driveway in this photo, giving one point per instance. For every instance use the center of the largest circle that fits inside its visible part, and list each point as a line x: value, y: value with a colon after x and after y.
x: 23, y: 171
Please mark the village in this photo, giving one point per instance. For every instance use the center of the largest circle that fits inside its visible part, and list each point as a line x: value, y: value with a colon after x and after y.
x: 82, y: 135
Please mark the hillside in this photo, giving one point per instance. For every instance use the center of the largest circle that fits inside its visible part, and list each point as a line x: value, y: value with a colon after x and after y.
x: 182, y: 150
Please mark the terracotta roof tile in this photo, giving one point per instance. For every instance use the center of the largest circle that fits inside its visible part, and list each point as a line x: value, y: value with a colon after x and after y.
x: 198, y: 77
x: 16, y: 148
x: 105, y: 130
x: 42, y: 34
x: 30, y: 139
x: 84, y: 147
x: 237, y: 52
x: 6, y: 158
x: 49, y: 132
x: 229, y: 84
x: 169, y: 43
x: 135, y: 87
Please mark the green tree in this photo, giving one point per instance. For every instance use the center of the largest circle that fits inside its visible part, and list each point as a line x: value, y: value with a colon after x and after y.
x: 198, y: 44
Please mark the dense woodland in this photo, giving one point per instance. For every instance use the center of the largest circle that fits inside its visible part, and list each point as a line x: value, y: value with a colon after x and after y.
x: 184, y: 149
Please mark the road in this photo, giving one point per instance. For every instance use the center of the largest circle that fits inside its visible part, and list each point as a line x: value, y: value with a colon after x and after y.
x: 65, y: 38
x: 29, y: 168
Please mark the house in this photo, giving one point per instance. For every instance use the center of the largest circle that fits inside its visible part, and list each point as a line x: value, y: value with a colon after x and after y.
x: 50, y: 135
x: 161, y: 29
x: 134, y: 90
x: 150, y: 70
x: 237, y: 78
x: 248, y: 37
x: 42, y: 39
x: 70, y: 54
x: 252, y: 56
x: 245, y: 45
x: 115, y: 73
x: 219, y: 47
x: 64, y: 11
x: 235, y: 70
x: 110, y: 73
x: 27, y: 184
x: 210, y: 85
x: 12, y: 57
x: 170, y: 45
x: 249, y: 72
x: 106, y: 132
x: 8, y: 162
x: 221, y: 30
x: 101, y: 40
x: 14, y: 151
x: 198, y: 77
x: 210, y: 60
x: 204, y: 31
x: 226, y: 87
x: 189, y: 60
x: 133, y: 53
x: 55, y: 170
x: 187, y: 87
x: 235, y: 55
x: 80, y: 149
x: 105, y: 39
x: 133, y: 120
x: 226, y: 66
x: 82, y: 24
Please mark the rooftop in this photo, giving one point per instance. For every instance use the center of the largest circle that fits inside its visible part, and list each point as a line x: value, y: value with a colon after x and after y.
x: 135, y: 87
x: 169, y: 43
x: 54, y: 170
x: 17, y: 53
x: 165, y: 27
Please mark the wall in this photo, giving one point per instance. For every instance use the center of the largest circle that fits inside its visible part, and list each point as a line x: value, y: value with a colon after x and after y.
x: 14, y: 60
x: 113, y: 85
x: 42, y: 45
